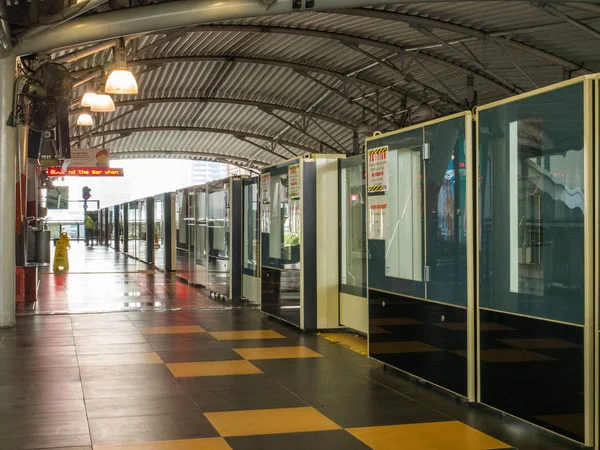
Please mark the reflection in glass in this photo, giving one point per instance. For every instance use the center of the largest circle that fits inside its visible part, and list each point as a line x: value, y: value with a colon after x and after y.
x: 281, y: 225
x: 142, y: 249
x: 201, y: 255
x: 218, y: 237
x: 352, y: 231
x: 159, y: 232
x: 251, y: 228
x: 532, y: 200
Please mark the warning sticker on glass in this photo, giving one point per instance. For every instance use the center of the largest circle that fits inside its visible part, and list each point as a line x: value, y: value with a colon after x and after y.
x: 294, y: 181
x: 265, y: 187
x: 377, y: 168
x: 378, y: 217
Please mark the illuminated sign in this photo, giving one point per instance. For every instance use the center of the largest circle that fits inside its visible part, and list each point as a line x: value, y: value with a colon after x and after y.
x: 85, y: 172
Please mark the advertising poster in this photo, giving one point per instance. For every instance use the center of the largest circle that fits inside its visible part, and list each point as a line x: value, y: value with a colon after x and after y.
x: 265, y: 187
x: 377, y: 167
x: 294, y: 180
x: 89, y: 157
x: 378, y: 217
x: 266, y: 218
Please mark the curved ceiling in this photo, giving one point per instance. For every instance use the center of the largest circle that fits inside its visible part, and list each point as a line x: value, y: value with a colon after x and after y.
x: 256, y: 91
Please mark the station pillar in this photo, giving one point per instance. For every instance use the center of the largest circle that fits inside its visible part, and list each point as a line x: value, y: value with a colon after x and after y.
x: 8, y: 153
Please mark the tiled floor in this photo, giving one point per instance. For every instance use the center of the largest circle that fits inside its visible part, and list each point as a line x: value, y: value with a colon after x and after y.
x: 214, y: 379
x: 101, y: 280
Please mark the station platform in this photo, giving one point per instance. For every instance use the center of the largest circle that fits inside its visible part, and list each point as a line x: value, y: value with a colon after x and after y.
x: 104, y: 373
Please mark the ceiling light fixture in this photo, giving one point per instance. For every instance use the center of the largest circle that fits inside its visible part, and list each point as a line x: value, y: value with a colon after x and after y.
x: 85, y: 120
x: 88, y: 99
x: 102, y: 102
x: 121, y: 80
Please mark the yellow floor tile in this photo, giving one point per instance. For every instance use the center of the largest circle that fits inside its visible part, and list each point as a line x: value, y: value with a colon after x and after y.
x: 572, y: 423
x: 179, y: 329
x: 352, y: 341
x: 212, y: 368
x: 507, y: 355
x: 277, y: 353
x: 270, y: 421
x: 186, y: 444
x: 539, y: 343
x: 384, y: 348
x: 394, y: 321
x: 426, y: 436
x: 119, y: 359
x: 250, y: 334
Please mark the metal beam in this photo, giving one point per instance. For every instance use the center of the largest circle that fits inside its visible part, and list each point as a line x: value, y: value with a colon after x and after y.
x: 262, y: 61
x: 229, y: 132
x: 461, y: 29
x: 351, y: 40
x: 229, y: 101
x: 262, y: 147
x: 201, y: 156
x: 561, y: 15
x: 300, y: 130
x: 430, y: 34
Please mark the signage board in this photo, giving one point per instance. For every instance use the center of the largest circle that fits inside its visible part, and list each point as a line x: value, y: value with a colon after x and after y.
x: 89, y: 157
x: 377, y: 167
x: 85, y: 172
x: 294, y: 181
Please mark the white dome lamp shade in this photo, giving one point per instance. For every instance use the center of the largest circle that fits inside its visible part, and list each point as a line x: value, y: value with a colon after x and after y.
x: 88, y: 99
x: 103, y: 102
x: 121, y: 80
x: 85, y: 120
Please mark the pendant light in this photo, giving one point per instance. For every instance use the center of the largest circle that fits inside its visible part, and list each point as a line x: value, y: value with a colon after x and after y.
x: 103, y: 102
x: 85, y: 120
x: 88, y: 99
x: 121, y: 80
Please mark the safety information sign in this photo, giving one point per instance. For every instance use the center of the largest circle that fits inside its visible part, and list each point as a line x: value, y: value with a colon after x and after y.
x: 377, y: 167
x: 378, y: 217
x: 265, y: 187
x: 294, y: 181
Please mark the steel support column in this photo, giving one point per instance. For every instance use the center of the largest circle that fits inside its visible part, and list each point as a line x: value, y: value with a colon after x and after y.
x: 8, y: 154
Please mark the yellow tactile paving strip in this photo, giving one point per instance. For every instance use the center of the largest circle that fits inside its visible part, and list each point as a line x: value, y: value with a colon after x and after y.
x: 382, y: 348
x: 426, y: 436
x: 355, y: 343
x: 179, y: 329
x: 270, y: 421
x: 119, y: 359
x: 186, y: 444
x: 250, y: 334
x: 212, y: 368
x: 276, y: 353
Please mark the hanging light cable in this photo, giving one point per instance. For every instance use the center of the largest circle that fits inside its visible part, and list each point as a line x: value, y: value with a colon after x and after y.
x: 121, y: 80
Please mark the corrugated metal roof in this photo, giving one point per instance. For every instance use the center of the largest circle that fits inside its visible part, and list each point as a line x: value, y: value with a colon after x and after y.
x: 311, y: 62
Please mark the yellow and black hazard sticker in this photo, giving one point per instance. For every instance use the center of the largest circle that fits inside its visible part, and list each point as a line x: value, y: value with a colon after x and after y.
x: 377, y: 151
x: 376, y: 188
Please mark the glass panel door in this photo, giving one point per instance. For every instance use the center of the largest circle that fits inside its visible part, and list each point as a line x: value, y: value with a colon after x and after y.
x: 218, y: 237
x: 201, y: 273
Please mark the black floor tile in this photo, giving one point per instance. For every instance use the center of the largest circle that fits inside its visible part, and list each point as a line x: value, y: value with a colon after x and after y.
x: 131, y: 387
x: 269, y: 396
x: 109, y: 349
x: 36, y: 392
x: 225, y: 383
x: 150, y: 428
x: 33, y: 341
x: 117, y: 373
x: 37, y: 352
x: 320, y: 440
x: 45, y: 431
x: 10, y: 410
x: 149, y: 405
x: 199, y: 355
x: 21, y: 373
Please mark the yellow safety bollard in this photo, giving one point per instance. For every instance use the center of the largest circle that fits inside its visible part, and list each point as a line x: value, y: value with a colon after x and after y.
x: 61, y: 255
